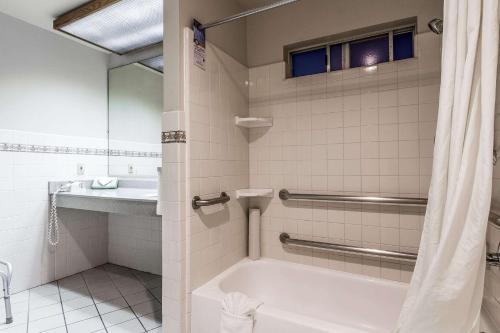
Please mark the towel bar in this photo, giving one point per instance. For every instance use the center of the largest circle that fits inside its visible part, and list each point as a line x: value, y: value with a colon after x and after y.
x: 284, y: 194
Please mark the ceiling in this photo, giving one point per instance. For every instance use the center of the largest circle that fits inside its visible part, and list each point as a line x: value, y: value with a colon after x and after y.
x: 42, y: 13
x: 36, y: 12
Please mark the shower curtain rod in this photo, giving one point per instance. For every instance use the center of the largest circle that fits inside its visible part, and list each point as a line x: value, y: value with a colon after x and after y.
x: 246, y: 13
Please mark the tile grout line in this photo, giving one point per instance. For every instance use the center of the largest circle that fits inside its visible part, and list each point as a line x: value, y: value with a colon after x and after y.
x: 130, y: 306
x: 113, y: 282
x: 62, y: 308
x: 93, y: 302
x: 148, y: 289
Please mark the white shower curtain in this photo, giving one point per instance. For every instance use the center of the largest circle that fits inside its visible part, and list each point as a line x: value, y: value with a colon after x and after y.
x: 447, y: 286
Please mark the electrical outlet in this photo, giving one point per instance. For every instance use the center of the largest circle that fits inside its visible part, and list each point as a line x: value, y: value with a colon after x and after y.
x: 131, y: 169
x: 80, y: 169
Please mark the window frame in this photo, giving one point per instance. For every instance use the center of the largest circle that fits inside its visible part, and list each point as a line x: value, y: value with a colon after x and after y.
x: 405, y: 25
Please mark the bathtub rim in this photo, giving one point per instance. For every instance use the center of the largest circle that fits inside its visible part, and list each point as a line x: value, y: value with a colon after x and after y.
x: 211, y: 290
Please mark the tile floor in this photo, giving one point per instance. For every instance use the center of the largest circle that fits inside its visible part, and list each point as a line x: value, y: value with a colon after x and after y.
x: 108, y: 298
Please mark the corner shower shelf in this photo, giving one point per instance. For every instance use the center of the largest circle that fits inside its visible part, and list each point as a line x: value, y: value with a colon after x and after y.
x: 255, y: 193
x: 252, y: 122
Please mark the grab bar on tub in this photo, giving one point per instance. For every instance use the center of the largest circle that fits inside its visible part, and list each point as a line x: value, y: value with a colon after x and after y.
x: 286, y: 240
x: 197, y: 202
x: 6, y: 279
x: 286, y: 195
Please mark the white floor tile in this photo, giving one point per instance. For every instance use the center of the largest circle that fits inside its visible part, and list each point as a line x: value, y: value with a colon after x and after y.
x: 57, y: 330
x: 40, y: 301
x: 19, y: 320
x: 46, y: 311
x: 45, y: 290
x: 77, y: 303
x: 22, y: 328
x: 112, y: 305
x: 89, y: 301
x: 117, y: 317
x: 155, y: 330
x: 46, y: 324
x: 81, y: 314
x: 140, y: 297
x: 68, y: 294
x: 106, y: 295
x: 151, y: 321
x: 147, y: 307
x: 131, y: 326
x: 156, y: 293
x: 86, y: 326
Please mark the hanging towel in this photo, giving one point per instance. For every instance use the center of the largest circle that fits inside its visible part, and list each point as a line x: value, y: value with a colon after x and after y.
x: 238, y: 312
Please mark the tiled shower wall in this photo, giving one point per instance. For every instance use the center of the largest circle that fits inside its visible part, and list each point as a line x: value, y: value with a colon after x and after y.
x: 218, y: 158
x: 359, y: 131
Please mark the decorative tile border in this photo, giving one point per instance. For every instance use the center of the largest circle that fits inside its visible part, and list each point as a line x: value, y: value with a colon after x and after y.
x: 26, y: 148
x: 173, y: 137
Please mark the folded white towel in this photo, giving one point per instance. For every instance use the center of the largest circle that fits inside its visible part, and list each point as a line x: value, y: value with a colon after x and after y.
x: 238, y: 312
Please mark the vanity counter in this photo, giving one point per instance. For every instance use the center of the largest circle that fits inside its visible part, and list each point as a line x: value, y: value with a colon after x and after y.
x: 127, y: 194
x: 127, y: 199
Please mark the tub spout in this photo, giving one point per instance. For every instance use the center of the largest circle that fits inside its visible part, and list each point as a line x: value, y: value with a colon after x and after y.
x: 493, y: 259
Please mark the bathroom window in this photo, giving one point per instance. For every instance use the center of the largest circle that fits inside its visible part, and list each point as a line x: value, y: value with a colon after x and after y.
x: 403, y: 44
x: 369, y: 51
x: 309, y: 62
x: 351, y: 51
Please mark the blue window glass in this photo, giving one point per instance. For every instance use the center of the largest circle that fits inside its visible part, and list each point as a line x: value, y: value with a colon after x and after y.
x: 309, y: 62
x: 336, y: 57
x: 367, y: 52
x: 403, y: 45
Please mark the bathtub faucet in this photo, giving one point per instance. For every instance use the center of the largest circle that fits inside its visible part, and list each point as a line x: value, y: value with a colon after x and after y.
x: 493, y: 259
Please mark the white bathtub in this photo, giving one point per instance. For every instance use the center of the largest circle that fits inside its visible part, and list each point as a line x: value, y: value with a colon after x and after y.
x: 301, y: 299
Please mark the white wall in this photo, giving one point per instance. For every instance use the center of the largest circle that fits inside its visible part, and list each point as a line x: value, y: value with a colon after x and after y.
x: 50, y: 84
x: 267, y: 33
x: 53, y: 92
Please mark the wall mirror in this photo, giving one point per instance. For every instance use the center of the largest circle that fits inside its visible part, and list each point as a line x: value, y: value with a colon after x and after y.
x: 134, y: 118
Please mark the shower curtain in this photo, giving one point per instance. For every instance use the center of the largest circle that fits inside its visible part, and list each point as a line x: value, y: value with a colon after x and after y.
x: 447, y: 286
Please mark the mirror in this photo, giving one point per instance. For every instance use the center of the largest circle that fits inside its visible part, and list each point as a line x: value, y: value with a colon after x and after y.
x: 134, y: 119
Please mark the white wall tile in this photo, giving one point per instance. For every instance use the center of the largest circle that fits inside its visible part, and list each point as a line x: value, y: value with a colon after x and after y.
x: 379, y: 140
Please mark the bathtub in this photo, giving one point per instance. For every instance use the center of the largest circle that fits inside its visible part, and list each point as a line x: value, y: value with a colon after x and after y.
x: 301, y: 299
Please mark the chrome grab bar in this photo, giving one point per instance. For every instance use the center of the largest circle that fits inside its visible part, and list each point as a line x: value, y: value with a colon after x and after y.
x: 286, y: 195
x: 197, y: 202
x: 286, y: 240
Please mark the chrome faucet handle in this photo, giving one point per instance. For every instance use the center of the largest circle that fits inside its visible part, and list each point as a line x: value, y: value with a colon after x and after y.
x: 493, y: 259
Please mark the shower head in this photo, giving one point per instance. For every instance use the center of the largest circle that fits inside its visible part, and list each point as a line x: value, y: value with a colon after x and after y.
x: 436, y: 26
